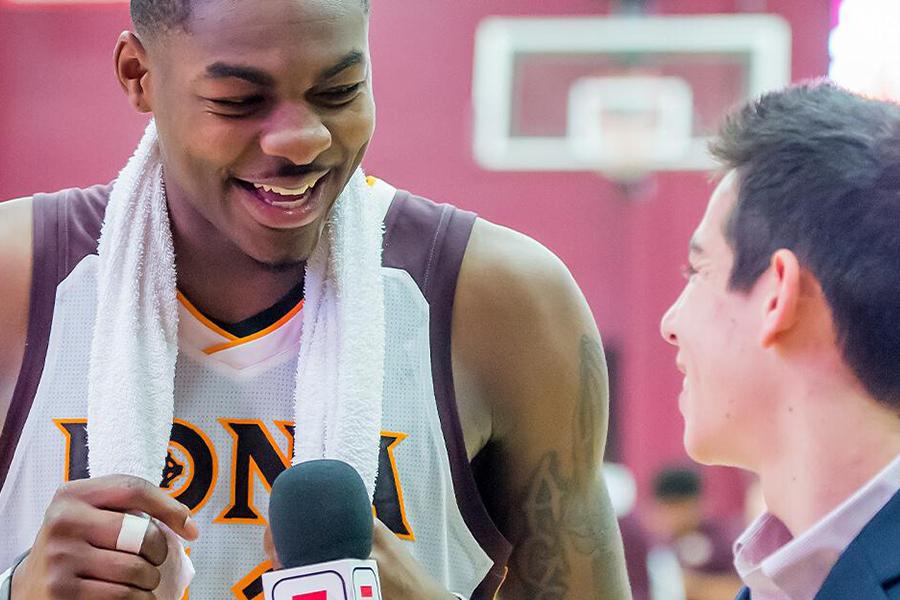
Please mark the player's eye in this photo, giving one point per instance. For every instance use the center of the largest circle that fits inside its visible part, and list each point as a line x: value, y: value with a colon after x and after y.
x: 236, y: 107
x: 340, y: 95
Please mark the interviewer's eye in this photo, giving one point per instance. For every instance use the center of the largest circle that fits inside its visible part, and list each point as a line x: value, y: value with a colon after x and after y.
x: 688, y: 271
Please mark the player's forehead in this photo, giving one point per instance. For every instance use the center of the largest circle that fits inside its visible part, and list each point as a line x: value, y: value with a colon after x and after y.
x: 293, y: 42
x: 211, y: 15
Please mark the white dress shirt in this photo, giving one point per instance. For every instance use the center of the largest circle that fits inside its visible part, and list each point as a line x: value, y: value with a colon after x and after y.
x: 777, y: 566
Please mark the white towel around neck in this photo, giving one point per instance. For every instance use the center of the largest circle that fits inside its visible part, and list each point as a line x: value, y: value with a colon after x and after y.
x: 338, y: 395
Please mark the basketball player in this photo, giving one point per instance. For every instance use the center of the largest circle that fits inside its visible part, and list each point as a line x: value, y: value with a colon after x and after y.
x: 788, y: 339
x: 495, y: 383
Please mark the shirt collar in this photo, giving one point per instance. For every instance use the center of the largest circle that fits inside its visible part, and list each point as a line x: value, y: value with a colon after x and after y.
x: 776, y: 566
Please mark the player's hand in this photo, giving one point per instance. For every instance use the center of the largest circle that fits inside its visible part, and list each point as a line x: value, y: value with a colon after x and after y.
x: 269, y: 547
x: 402, y: 577
x: 75, y: 556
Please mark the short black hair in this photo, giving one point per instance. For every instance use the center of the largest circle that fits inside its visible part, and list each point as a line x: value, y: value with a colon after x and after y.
x: 676, y: 483
x: 818, y: 173
x: 160, y: 16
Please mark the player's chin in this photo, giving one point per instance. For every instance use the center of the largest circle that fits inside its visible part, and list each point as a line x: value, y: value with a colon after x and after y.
x: 276, y: 260
x: 282, y: 250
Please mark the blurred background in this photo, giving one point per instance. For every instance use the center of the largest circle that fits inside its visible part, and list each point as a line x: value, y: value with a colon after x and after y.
x: 581, y: 123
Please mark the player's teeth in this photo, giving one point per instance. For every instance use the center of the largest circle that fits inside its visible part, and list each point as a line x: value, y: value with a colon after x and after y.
x: 282, y: 191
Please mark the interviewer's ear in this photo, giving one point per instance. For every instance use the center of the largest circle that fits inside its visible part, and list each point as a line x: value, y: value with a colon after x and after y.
x: 132, y: 70
x: 782, y: 296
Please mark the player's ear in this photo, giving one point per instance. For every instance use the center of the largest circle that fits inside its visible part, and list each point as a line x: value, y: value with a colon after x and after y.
x: 782, y: 296
x: 132, y: 70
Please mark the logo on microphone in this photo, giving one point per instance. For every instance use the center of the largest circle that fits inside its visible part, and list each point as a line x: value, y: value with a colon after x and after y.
x: 320, y: 595
x: 365, y: 591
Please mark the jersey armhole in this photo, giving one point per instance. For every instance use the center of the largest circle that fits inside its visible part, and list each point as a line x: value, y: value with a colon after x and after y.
x: 47, y: 245
x: 429, y: 241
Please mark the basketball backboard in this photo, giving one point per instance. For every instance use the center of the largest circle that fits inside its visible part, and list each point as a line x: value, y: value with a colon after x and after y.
x: 618, y: 95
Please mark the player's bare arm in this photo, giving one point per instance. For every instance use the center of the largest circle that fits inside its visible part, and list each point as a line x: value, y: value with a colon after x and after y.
x: 15, y: 289
x: 526, y: 348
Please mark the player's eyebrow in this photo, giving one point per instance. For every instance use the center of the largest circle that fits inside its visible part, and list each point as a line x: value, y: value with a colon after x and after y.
x: 220, y: 70
x: 256, y: 76
x: 352, y: 58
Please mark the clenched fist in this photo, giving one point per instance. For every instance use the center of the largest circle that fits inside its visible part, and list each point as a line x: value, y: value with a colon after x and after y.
x: 74, y: 556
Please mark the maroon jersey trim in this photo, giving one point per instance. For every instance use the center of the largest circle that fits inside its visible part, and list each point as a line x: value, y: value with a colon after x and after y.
x: 66, y: 229
x: 435, y: 265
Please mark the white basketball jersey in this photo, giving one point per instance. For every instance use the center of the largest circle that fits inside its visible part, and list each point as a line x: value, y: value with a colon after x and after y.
x: 232, y: 433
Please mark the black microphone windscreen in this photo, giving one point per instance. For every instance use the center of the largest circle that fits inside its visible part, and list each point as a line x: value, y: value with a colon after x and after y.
x: 320, y: 511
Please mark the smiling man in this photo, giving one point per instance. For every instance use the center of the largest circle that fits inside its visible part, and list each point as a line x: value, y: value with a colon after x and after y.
x: 216, y: 303
x: 788, y: 338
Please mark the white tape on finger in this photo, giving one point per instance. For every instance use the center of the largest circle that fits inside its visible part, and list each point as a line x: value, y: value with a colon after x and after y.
x: 131, y: 536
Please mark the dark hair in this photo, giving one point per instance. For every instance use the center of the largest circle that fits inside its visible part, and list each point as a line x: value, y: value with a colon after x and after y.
x: 676, y: 483
x: 159, y: 16
x: 155, y: 16
x: 819, y: 174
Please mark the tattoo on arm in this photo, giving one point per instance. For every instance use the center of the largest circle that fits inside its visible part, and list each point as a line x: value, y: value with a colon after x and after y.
x: 563, y: 518
x: 589, y: 413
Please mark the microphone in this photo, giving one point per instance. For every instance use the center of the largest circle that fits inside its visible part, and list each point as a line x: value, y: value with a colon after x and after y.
x: 321, y: 521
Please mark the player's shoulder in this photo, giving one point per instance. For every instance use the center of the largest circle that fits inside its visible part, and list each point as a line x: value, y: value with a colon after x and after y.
x: 501, y: 269
x: 501, y: 259
x: 514, y: 293
x: 519, y: 320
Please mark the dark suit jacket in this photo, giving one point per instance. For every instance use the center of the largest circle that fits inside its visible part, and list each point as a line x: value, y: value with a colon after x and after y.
x: 869, y: 569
